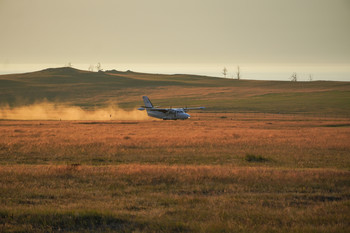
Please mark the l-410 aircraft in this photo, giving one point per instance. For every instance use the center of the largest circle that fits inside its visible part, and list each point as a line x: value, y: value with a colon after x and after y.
x: 166, y: 113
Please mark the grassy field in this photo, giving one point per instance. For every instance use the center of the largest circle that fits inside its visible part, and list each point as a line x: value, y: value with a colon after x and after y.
x: 217, y: 172
x: 264, y: 156
x: 99, y: 89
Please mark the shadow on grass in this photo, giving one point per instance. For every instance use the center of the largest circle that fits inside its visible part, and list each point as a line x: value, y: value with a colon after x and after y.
x: 84, y: 221
x: 255, y: 158
x: 337, y: 125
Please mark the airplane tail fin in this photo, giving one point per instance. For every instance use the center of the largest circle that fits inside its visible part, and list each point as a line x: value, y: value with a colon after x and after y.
x: 148, y: 103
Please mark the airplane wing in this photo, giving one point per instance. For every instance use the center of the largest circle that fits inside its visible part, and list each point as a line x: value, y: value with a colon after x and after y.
x: 164, y: 110
x: 196, y: 108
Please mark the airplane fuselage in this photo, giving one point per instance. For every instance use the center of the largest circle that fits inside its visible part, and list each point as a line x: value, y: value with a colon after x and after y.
x: 173, y: 114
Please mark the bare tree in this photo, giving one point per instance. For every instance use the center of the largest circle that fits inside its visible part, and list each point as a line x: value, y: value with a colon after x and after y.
x: 294, y: 77
x: 224, y: 72
x: 99, y: 67
x: 238, y: 74
x: 310, y: 78
x: 91, y: 68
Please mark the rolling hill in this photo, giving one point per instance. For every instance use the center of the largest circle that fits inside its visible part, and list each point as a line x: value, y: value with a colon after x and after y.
x: 95, y: 89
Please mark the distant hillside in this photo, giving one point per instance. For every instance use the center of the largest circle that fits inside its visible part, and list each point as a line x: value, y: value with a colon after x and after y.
x: 91, y: 89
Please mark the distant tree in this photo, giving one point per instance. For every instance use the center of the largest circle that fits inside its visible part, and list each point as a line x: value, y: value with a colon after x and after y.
x: 238, y: 74
x: 69, y: 64
x: 91, y: 68
x: 310, y: 78
x: 294, y: 77
x: 224, y: 72
x: 99, y: 67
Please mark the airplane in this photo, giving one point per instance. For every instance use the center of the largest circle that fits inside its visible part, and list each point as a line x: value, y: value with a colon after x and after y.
x: 166, y: 113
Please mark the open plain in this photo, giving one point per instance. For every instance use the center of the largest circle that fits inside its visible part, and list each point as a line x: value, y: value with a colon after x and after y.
x: 215, y: 172
x: 264, y: 156
x: 263, y: 88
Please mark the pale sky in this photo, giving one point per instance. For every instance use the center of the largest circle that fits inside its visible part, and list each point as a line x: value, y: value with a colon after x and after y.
x: 175, y: 31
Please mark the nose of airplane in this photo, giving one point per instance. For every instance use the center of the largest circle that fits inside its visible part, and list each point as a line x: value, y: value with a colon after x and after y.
x: 184, y: 116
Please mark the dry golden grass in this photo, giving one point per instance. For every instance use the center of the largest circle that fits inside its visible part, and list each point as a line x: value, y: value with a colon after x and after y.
x: 213, y: 172
x: 175, y: 198
x: 205, y: 139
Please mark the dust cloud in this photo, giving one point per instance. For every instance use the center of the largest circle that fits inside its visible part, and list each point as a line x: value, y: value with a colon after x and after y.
x: 60, y: 111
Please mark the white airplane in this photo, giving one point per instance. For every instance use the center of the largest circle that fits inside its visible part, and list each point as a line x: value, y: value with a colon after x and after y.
x: 166, y: 113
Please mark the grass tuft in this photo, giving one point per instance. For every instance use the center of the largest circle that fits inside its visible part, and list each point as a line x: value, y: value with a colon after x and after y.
x: 255, y: 158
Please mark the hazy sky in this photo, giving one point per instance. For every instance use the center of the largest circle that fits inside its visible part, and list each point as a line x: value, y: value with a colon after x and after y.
x: 175, y: 31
